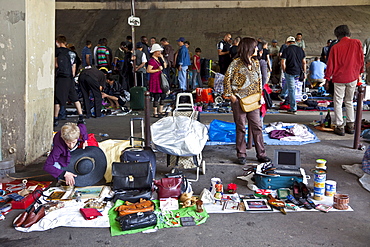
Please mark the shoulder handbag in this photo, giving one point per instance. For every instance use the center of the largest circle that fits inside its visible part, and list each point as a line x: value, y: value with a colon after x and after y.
x: 138, y: 220
x: 165, y: 86
x: 168, y: 187
x: 132, y: 175
x: 251, y: 102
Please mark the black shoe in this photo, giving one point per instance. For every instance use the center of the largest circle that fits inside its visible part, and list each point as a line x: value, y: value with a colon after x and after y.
x: 264, y: 159
x: 304, y: 190
x: 242, y: 160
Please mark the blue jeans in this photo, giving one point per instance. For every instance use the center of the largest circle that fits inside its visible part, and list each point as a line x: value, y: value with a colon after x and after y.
x: 182, y: 77
x: 196, y: 79
x: 290, y: 85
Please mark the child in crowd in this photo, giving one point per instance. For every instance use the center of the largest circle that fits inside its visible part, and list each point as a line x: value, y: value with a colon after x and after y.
x: 196, y: 69
x: 68, y: 139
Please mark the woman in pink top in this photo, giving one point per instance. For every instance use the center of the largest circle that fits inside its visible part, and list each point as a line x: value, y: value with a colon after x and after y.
x: 155, y: 67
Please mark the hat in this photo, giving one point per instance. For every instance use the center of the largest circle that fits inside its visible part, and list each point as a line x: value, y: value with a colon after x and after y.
x: 88, y: 164
x: 156, y: 47
x: 274, y: 41
x: 139, y: 45
x: 290, y: 39
x: 181, y: 39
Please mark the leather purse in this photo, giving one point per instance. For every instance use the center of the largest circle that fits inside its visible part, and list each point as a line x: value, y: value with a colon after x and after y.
x: 176, y: 173
x: 138, y: 220
x: 169, y: 187
x: 132, y: 195
x: 132, y: 175
x: 251, y: 102
x: 133, y: 208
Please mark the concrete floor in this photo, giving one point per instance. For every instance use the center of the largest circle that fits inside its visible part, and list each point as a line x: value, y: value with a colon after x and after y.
x: 259, y: 229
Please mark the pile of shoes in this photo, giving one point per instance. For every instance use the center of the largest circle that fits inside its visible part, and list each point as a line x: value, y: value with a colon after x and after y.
x: 301, y: 196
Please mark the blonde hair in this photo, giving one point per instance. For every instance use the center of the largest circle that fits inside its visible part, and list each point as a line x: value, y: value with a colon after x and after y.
x: 70, y: 132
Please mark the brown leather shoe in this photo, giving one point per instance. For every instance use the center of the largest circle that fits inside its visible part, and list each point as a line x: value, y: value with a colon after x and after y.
x: 23, y: 216
x: 34, y: 217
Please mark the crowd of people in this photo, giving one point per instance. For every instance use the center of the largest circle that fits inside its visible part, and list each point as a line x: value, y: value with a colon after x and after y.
x: 107, y: 77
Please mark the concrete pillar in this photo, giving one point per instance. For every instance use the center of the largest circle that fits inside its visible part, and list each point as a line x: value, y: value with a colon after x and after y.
x: 26, y: 78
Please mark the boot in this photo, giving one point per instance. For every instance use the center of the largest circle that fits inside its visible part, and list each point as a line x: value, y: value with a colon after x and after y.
x: 34, y: 217
x: 339, y: 131
x: 350, y: 128
x: 23, y: 216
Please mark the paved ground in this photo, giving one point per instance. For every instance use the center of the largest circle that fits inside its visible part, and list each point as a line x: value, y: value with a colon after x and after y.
x: 261, y: 229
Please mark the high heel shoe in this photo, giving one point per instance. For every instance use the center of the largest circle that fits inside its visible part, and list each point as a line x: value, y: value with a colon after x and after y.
x: 34, y: 216
x: 23, y: 216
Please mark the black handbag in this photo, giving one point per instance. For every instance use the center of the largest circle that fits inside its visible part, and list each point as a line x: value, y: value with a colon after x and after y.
x: 138, y: 220
x: 132, y: 175
x: 132, y: 195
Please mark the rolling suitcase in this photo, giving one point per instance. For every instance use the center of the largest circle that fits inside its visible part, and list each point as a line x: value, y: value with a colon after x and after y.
x: 137, y: 98
x: 139, y: 153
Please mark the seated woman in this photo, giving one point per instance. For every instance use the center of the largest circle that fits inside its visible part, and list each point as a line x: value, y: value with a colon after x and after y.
x: 65, y: 141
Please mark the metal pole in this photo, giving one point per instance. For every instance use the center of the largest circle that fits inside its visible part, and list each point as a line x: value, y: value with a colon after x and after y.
x: 360, y: 97
x: 133, y: 43
x: 147, y: 134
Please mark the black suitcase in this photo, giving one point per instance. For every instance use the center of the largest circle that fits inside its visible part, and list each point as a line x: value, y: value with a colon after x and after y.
x: 139, y: 153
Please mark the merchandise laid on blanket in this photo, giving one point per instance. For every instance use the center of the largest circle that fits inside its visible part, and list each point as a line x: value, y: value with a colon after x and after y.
x: 282, y: 185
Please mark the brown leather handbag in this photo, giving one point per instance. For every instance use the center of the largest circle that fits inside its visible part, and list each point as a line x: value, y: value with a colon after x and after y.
x: 168, y: 187
x: 133, y: 208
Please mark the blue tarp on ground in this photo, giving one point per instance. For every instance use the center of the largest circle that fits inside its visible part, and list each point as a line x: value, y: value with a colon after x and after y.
x: 223, y: 133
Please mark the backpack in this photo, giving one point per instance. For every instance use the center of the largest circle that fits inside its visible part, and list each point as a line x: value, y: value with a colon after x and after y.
x: 64, y: 64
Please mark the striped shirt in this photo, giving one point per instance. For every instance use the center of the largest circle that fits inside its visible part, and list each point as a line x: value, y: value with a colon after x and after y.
x: 102, y: 54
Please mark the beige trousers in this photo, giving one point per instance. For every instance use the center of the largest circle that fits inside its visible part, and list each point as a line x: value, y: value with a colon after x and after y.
x: 344, y: 92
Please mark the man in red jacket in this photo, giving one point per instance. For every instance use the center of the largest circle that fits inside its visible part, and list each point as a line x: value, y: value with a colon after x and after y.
x: 344, y: 67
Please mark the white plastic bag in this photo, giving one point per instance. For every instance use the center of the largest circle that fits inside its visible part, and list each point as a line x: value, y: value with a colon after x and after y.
x: 180, y: 136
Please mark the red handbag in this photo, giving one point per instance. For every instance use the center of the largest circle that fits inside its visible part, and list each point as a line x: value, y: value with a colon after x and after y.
x: 168, y: 187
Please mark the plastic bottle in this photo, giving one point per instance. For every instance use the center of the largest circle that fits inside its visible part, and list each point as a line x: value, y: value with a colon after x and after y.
x: 103, y: 134
x: 344, y: 120
x: 322, y: 119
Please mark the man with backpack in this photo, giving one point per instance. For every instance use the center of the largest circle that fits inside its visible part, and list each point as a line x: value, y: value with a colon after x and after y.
x: 65, y: 66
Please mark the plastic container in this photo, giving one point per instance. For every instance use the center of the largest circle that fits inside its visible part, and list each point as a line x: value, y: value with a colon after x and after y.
x: 321, y: 163
x: 330, y: 188
x: 319, y: 175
